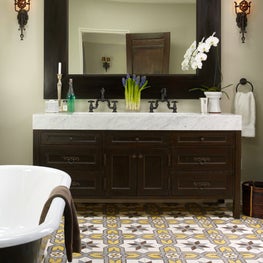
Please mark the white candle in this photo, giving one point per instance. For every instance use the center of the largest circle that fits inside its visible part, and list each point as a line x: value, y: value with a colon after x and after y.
x: 59, y: 68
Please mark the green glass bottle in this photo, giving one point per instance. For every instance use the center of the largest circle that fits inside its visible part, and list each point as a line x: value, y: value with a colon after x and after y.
x: 71, y: 97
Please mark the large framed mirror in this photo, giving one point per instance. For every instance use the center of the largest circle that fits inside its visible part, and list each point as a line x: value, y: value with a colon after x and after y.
x: 58, y: 48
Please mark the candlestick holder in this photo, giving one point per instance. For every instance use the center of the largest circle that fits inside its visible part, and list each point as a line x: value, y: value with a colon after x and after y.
x: 59, y: 87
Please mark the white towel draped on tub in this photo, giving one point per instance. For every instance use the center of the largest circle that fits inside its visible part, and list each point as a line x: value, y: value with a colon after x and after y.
x: 245, y: 106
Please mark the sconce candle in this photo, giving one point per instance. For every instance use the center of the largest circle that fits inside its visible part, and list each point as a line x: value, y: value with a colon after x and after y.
x: 59, y: 88
x: 59, y: 67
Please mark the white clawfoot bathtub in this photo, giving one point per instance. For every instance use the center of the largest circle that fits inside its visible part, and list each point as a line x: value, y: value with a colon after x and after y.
x: 23, y: 192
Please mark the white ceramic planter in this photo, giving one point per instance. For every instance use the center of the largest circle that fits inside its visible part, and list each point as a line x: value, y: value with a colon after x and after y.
x: 213, y: 105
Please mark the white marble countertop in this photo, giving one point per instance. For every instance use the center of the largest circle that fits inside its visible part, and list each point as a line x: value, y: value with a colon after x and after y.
x: 135, y: 121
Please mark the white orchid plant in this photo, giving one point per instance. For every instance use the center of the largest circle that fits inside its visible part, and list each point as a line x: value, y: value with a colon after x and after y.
x: 196, y: 55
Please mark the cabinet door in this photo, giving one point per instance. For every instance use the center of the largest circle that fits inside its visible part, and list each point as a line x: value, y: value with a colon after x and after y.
x: 121, y: 171
x: 153, y: 172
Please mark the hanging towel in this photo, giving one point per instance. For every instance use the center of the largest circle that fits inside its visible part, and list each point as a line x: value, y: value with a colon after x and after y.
x: 245, y: 106
x: 71, y: 226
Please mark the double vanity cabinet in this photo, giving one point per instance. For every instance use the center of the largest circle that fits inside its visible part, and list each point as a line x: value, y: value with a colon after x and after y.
x: 143, y: 156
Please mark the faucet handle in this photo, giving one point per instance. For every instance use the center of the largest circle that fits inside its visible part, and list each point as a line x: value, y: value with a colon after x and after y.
x: 173, y: 107
x: 114, y: 106
x: 91, y: 107
x: 153, y: 107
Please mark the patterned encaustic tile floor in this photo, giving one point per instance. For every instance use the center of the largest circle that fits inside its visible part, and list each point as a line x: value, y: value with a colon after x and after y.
x: 155, y: 233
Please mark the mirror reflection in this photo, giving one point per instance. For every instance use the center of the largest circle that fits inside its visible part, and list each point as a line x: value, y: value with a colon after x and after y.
x: 98, y: 30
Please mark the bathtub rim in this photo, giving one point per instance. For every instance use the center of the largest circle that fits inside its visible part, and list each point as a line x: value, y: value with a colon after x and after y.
x: 52, y: 220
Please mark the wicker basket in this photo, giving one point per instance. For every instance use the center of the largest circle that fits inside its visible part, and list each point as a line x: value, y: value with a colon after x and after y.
x: 253, y: 199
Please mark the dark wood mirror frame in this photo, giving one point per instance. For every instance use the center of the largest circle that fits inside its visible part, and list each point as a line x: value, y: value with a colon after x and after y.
x: 56, y: 21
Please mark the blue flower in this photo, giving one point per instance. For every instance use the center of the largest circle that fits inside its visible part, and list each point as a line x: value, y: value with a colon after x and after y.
x: 124, y: 82
x: 143, y: 79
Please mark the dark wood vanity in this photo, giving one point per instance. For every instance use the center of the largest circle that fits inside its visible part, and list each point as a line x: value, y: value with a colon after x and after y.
x: 127, y: 165
x: 110, y: 166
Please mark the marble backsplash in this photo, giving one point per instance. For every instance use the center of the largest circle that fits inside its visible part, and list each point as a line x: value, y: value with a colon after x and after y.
x: 182, y: 106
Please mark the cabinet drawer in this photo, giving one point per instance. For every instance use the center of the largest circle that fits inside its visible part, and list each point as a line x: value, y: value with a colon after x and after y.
x: 89, y: 158
x: 153, y: 138
x: 202, y: 183
x: 203, y: 158
x: 70, y: 137
x: 203, y: 138
x: 86, y: 183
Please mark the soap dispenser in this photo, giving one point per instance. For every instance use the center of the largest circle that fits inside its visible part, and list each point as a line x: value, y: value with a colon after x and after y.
x: 71, y: 97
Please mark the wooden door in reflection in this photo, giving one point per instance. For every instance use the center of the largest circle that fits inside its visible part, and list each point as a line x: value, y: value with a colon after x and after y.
x: 148, y: 53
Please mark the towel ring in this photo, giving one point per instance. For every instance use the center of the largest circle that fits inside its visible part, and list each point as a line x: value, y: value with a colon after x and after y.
x: 244, y: 81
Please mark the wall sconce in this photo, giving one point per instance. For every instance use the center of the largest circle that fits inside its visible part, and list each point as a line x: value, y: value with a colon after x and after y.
x: 105, y: 62
x: 22, y: 7
x: 242, y: 10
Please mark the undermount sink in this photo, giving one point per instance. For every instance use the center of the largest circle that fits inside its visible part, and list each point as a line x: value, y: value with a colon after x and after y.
x: 136, y: 121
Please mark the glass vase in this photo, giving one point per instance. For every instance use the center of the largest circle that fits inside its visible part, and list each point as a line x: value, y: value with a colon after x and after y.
x: 133, y: 103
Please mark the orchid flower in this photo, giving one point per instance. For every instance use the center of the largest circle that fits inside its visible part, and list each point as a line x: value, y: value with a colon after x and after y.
x: 212, y: 40
x: 195, y: 55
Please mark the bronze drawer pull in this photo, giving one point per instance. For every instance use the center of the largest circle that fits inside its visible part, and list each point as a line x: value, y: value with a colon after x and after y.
x: 202, y: 139
x: 140, y: 156
x: 202, y: 185
x: 71, y: 159
x: 75, y: 184
x: 202, y: 160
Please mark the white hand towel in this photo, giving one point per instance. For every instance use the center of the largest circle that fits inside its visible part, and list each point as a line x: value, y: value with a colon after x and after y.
x: 245, y: 106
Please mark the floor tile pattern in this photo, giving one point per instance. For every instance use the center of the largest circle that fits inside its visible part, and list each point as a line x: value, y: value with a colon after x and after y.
x: 168, y: 233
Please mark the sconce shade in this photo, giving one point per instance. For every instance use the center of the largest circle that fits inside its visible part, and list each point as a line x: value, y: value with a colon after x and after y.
x: 242, y: 10
x: 22, y: 7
